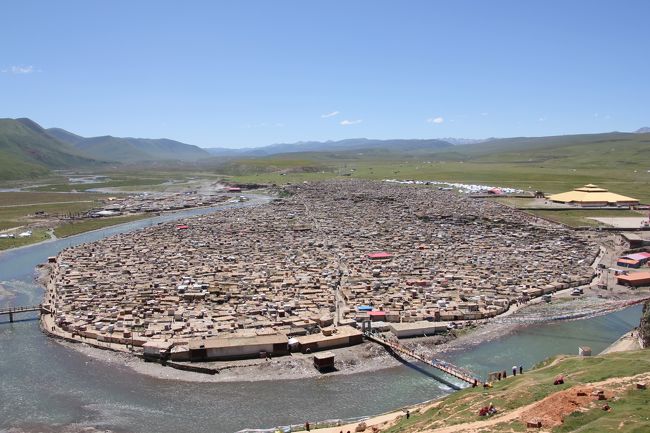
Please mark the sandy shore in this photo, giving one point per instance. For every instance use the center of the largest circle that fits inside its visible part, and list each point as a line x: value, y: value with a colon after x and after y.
x: 350, y: 360
x: 627, y: 342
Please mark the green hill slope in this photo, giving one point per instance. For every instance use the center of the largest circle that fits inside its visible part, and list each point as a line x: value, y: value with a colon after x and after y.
x: 128, y: 149
x: 559, y: 407
x: 65, y: 136
x: 26, y: 150
x: 610, y: 150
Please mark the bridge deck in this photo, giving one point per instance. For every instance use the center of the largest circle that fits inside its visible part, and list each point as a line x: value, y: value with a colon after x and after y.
x: 450, y: 369
x: 10, y: 311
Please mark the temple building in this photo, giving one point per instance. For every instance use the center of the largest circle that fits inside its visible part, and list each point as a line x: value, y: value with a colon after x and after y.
x: 593, y: 196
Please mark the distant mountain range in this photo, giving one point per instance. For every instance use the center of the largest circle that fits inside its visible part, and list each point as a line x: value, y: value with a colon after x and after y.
x: 352, y: 144
x: 28, y: 150
x: 127, y: 150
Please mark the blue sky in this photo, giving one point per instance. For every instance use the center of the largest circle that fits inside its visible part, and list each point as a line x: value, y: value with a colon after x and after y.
x: 250, y: 73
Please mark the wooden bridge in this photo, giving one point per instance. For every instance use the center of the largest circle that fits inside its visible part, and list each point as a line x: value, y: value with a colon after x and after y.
x: 445, y: 367
x: 11, y: 311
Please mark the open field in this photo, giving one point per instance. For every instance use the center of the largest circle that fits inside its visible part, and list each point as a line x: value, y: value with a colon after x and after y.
x: 628, y: 406
x: 18, y: 208
x: 528, y: 177
x: 129, y: 180
x: 38, y: 235
x: 54, y: 202
x: 74, y: 228
x: 25, y: 198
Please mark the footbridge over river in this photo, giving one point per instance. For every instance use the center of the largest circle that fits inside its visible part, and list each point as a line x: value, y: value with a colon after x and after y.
x: 446, y: 367
x: 12, y: 311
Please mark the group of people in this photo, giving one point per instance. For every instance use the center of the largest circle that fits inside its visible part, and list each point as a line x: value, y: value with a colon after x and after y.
x: 504, y: 374
x: 488, y: 410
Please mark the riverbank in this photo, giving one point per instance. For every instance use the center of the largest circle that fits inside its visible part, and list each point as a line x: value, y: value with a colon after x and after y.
x: 628, y: 341
x: 532, y: 398
x: 366, y: 357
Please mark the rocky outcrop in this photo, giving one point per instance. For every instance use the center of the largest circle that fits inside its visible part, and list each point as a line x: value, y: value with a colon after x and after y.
x: 644, y: 326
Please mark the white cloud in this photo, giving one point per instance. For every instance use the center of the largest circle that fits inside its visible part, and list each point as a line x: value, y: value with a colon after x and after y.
x: 541, y: 119
x: 484, y: 114
x: 332, y: 114
x: 19, y: 70
x: 437, y: 120
x: 347, y: 122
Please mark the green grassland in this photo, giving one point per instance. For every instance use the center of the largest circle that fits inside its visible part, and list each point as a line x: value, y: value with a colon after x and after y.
x: 76, y: 227
x: 38, y: 235
x: 18, y: 209
x: 24, y: 198
x: 629, y: 411
x: 618, y: 161
x: 130, y: 179
x: 523, y: 176
x: 14, y: 214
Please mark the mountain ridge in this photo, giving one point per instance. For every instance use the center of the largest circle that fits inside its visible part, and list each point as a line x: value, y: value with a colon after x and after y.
x: 27, y: 150
x: 130, y: 149
x: 349, y: 144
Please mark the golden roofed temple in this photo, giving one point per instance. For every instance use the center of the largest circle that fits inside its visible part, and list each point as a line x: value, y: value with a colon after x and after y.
x: 592, y: 195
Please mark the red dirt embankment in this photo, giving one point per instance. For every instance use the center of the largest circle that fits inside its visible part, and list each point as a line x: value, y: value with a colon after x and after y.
x: 552, y: 410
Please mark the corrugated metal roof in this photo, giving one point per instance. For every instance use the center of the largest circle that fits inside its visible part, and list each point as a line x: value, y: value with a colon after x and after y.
x: 635, y: 276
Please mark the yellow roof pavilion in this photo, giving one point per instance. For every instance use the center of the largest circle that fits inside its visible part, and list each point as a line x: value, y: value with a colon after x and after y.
x: 592, y: 194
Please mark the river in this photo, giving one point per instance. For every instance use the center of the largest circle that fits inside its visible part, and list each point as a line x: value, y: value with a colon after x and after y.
x: 43, y: 382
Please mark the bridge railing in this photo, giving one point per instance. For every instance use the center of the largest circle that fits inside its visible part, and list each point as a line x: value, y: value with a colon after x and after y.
x: 441, y: 365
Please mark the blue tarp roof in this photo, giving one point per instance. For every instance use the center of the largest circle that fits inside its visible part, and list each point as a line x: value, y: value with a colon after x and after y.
x: 364, y: 308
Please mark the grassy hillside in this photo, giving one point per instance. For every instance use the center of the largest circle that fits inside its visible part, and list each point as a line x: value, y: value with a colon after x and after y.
x: 65, y: 136
x: 614, y: 150
x: 533, y: 395
x: 26, y: 150
x: 618, y: 161
x: 131, y: 150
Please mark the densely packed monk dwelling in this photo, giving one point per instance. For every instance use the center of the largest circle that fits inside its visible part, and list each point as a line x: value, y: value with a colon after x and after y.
x: 311, y: 266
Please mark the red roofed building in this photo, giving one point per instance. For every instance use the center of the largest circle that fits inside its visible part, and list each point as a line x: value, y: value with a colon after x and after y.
x: 380, y: 256
x: 182, y: 227
x: 377, y: 315
x: 635, y: 279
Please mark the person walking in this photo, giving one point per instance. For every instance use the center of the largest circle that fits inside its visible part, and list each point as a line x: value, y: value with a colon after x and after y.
x: 514, y: 370
x: 521, y: 369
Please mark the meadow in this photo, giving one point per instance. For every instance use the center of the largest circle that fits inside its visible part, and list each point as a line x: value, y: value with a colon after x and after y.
x: 527, y: 177
x: 628, y: 412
